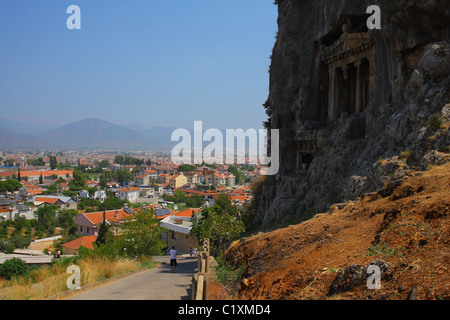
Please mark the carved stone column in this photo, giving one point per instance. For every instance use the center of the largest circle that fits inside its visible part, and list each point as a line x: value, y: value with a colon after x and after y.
x: 357, y: 64
x: 372, y: 73
x: 344, y: 68
x: 331, y: 92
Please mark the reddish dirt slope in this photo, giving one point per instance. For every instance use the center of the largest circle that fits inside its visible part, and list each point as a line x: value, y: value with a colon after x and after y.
x: 409, y: 229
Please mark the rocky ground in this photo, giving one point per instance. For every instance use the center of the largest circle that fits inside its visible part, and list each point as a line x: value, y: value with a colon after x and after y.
x: 403, y: 228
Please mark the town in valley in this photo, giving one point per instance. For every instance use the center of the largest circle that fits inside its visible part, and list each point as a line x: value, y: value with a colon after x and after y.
x: 91, y: 186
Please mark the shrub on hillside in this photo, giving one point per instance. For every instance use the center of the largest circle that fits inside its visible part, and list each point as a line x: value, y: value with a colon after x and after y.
x: 14, y: 267
x: 434, y: 121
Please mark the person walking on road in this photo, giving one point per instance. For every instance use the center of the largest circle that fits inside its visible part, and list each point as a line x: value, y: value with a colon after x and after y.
x: 173, y: 259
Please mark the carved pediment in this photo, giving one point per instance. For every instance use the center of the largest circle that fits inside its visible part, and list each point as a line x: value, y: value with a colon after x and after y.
x: 348, y: 44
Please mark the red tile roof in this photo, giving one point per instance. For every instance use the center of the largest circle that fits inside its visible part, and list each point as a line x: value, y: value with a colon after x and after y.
x: 185, y: 213
x: 47, y: 200
x: 86, y: 241
x: 239, y: 198
x: 97, y: 217
x: 128, y: 189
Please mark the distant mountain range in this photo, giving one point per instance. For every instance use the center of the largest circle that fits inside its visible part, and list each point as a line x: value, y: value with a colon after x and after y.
x: 26, y: 127
x: 88, y: 134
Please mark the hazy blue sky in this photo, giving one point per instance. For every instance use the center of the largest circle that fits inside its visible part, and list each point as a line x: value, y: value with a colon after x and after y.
x: 161, y: 63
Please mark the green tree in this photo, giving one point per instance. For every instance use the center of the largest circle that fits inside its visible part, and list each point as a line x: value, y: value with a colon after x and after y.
x: 179, y: 196
x: 51, y: 189
x: 39, y: 162
x: 18, y: 241
x: 112, y: 203
x: 238, y: 174
x: 9, y: 162
x: 223, y: 203
x: 119, y: 159
x: 186, y: 168
x: 10, y: 185
x: 127, y: 160
x: 220, y: 224
x: 141, y: 235
x: 78, y: 182
x: 65, y: 221
x: 195, y: 201
x: 104, y: 164
x: 102, y: 231
x: 46, y: 219
x: 212, y: 166
x: 69, y: 193
x: 53, y: 162
x: 13, y: 268
x: 122, y: 176
x: 102, y: 182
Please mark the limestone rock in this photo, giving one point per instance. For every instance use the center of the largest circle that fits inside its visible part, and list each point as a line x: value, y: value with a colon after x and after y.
x: 355, y: 276
x: 404, y: 69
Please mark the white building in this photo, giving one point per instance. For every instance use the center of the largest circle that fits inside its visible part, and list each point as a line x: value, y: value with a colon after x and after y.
x: 128, y: 193
x: 220, y: 179
x: 100, y: 195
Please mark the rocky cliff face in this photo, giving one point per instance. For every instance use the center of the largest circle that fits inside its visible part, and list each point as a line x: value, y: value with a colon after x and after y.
x: 353, y: 104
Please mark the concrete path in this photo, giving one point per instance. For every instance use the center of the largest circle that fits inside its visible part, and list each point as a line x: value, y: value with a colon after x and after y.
x: 28, y: 258
x: 154, y: 284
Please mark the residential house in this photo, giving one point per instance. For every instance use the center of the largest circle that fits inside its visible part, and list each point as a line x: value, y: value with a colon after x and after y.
x: 64, y: 203
x: 192, y: 177
x: 165, y: 169
x: 146, y: 191
x: 177, y: 181
x: 251, y: 176
x: 142, y: 180
x: 240, y: 200
x: 230, y: 180
x: 5, y: 212
x: 204, y: 171
x: 12, y: 210
x: 91, y: 183
x: 100, y: 195
x: 207, y: 194
x: 111, y: 185
x: 88, y: 223
x: 25, y: 211
x: 128, y: 193
x: 84, y: 194
x: 73, y: 247
x: 31, y: 188
x: 163, y: 178
x: 153, y: 174
x: 179, y: 226
x: 220, y: 179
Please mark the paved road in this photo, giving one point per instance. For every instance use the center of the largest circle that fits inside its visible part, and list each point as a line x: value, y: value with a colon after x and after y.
x: 153, y: 284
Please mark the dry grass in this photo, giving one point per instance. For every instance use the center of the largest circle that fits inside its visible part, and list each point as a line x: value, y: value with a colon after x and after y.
x: 47, y: 281
x: 97, y: 269
x: 40, y: 246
